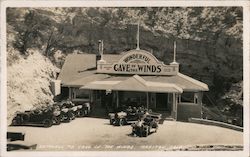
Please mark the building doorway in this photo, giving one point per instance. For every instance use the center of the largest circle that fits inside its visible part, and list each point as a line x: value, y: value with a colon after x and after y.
x: 132, y: 98
x: 162, y: 101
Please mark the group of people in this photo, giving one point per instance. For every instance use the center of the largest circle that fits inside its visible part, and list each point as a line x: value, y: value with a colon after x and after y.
x: 137, y: 127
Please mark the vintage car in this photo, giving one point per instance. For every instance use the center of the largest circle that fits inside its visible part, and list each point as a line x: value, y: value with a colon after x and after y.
x: 144, y: 127
x: 83, y: 109
x: 56, y: 115
x: 70, y: 106
x: 66, y: 115
x: 67, y: 109
x: 154, y: 115
x: 122, y: 118
x: 43, y: 117
x: 131, y: 115
x: 78, y: 109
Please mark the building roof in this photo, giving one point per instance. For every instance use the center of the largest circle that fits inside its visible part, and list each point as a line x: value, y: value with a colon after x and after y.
x: 111, y: 58
x: 84, y: 80
x: 77, y: 66
x: 80, y: 69
x: 185, y: 82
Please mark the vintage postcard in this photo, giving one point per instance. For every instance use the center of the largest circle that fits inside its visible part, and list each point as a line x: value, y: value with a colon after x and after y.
x: 141, y: 78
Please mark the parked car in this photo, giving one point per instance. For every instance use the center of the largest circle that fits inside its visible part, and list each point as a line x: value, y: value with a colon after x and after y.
x: 144, y: 127
x: 122, y: 118
x: 131, y: 115
x: 83, y: 109
x: 43, y: 117
x: 56, y: 115
x: 67, y: 109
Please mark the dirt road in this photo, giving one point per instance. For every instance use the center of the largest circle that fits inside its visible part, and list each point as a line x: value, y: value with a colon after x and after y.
x: 97, y: 134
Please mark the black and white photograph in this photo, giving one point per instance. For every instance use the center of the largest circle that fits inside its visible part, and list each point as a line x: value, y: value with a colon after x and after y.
x: 124, y: 78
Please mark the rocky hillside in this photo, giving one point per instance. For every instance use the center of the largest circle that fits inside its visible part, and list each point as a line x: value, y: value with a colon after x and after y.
x: 209, y: 40
x: 28, y: 83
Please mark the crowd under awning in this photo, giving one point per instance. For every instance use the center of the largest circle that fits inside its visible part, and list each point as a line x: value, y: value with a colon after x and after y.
x: 134, y: 83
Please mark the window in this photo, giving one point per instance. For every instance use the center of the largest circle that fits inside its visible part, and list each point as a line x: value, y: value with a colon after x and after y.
x: 81, y: 94
x: 187, y: 97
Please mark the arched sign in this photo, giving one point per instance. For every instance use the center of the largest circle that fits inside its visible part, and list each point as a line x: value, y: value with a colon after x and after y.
x: 137, y: 62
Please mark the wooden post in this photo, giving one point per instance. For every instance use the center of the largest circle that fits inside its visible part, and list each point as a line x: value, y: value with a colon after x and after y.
x: 199, y: 97
x: 90, y: 96
x: 69, y: 93
x: 176, y: 107
x: 147, y: 100
x: 155, y: 100
x: 173, y: 107
x: 174, y: 110
x: 117, y: 99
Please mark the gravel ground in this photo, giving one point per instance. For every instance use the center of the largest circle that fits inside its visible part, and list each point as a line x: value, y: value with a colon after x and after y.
x: 97, y: 134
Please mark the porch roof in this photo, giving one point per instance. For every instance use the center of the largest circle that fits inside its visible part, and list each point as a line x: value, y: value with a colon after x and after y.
x: 78, y: 82
x: 100, y: 85
x: 134, y: 83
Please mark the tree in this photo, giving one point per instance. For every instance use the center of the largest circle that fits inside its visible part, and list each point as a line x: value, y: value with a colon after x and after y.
x: 27, y: 31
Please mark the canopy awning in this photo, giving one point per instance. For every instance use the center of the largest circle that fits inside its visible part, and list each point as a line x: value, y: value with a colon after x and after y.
x: 100, y: 85
x: 135, y: 83
x: 163, y: 87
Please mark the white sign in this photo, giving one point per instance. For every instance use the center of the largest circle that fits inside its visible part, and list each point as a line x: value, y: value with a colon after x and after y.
x: 137, y: 62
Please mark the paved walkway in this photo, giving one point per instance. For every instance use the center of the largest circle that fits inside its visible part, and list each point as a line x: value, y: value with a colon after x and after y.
x: 97, y: 134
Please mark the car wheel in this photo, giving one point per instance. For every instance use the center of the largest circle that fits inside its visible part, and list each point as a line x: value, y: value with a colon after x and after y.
x: 25, y: 118
x: 57, y: 120
x: 77, y: 114
x: 85, y: 112
x: 146, y: 132
x: 121, y: 122
x: 67, y: 119
x: 72, y: 116
x: 14, y: 122
x: 156, y: 129
x: 133, y: 132
x: 18, y: 121
x: 82, y: 113
x: 47, y: 123
x: 111, y: 121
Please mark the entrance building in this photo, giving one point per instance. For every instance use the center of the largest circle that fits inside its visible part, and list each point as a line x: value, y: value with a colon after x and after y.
x: 132, y: 78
